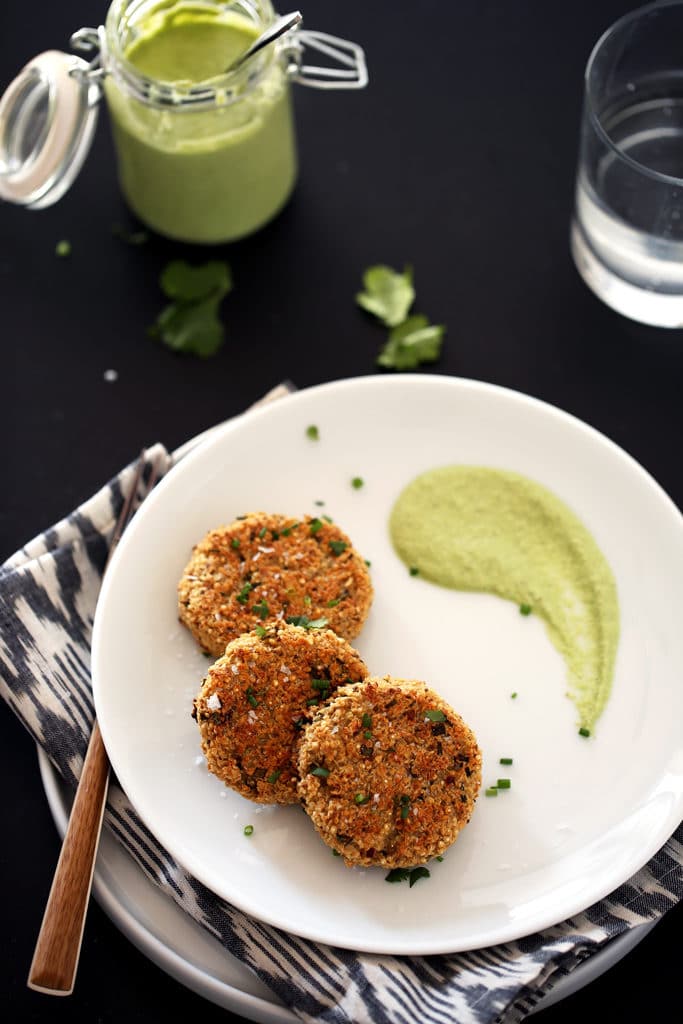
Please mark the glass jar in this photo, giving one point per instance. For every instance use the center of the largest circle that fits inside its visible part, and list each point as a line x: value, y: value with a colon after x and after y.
x: 206, y: 151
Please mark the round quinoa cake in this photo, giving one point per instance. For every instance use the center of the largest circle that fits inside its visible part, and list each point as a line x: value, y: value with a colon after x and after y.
x: 389, y: 773
x: 255, y: 701
x: 262, y: 568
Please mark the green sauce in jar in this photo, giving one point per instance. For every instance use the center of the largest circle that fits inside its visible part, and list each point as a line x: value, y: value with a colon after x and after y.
x: 207, y: 173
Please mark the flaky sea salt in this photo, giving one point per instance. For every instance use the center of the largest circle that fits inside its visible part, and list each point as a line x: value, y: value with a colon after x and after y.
x: 214, y: 702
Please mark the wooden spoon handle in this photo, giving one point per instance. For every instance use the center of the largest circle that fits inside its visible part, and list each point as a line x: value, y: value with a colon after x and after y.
x: 55, y: 959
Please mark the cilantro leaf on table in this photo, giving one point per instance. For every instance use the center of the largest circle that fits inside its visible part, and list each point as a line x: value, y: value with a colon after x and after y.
x: 181, y: 281
x: 413, y: 342
x: 388, y: 295
x: 192, y: 327
x: 190, y: 323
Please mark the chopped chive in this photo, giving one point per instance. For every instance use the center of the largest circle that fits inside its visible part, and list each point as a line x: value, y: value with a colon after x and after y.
x: 315, y: 525
x: 261, y: 609
x: 312, y: 701
x: 328, y: 519
x: 491, y: 791
x: 242, y: 596
x: 248, y: 830
x: 416, y: 874
x: 262, y: 532
x: 274, y: 535
x: 312, y: 433
x: 439, y: 858
x: 357, y: 482
x: 584, y: 732
x: 366, y: 721
x: 321, y: 772
x: 503, y: 784
x: 251, y: 698
x: 235, y: 542
x: 274, y: 776
x: 361, y: 798
x: 405, y: 806
x: 336, y: 853
x: 367, y: 734
x: 435, y: 715
x: 338, y: 546
x: 368, y: 563
x: 397, y: 875
x: 318, y: 502
x: 334, y: 602
x: 525, y: 609
x: 63, y: 248
x: 513, y: 696
x: 305, y: 622
x: 414, y: 571
x: 307, y: 599
x: 260, y: 631
x: 505, y: 760
x: 321, y: 684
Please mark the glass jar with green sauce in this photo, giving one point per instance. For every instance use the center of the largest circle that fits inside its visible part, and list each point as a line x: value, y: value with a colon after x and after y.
x: 205, y: 147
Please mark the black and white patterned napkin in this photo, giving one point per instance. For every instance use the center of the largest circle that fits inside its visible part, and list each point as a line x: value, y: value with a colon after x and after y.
x: 48, y: 593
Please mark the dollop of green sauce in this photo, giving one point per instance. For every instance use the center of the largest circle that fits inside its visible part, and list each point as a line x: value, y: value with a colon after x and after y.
x: 475, y: 528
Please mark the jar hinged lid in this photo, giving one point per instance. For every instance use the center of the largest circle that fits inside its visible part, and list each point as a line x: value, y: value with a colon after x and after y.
x: 48, y: 115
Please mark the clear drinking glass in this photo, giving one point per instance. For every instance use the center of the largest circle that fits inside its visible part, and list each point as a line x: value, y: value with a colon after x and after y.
x: 627, y: 228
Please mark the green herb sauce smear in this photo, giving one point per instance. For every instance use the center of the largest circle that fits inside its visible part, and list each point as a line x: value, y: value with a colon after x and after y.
x: 480, y: 529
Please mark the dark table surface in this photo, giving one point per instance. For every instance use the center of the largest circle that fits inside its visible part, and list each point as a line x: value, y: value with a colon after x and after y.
x: 458, y: 159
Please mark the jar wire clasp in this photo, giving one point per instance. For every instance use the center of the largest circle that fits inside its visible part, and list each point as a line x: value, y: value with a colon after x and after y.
x: 350, y: 71
x: 88, y: 40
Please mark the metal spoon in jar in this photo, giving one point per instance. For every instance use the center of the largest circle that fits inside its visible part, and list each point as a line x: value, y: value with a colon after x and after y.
x: 281, y: 25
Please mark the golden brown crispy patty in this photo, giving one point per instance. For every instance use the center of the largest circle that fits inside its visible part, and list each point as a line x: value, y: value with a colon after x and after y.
x: 262, y: 568
x: 257, y: 698
x: 389, y: 773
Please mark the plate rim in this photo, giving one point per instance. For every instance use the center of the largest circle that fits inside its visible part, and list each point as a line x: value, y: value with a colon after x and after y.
x: 217, y: 438
x: 262, y: 1010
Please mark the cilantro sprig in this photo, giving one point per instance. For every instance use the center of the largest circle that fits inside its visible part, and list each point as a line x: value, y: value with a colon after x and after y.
x: 388, y: 295
x: 190, y: 322
x: 413, y: 340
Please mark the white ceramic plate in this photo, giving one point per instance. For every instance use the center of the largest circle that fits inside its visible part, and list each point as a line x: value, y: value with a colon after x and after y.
x: 581, y: 817
x: 175, y: 943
